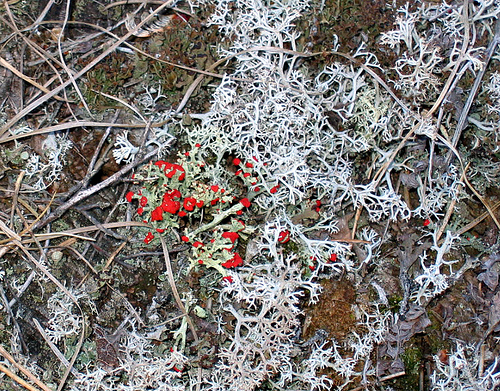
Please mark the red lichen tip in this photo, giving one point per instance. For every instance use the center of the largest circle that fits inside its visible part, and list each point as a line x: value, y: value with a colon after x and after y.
x: 149, y: 237
x: 284, y: 237
x: 245, y: 202
x: 129, y: 196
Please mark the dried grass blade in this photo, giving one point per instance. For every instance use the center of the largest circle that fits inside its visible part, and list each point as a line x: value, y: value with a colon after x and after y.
x: 67, y: 126
x: 15, y: 197
x: 50, y: 276
x: 17, y: 379
x: 113, y: 256
x: 477, y: 220
x: 75, y: 233
x: 483, y: 201
x: 61, y: 87
x: 25, y: 371
x: 27, y: 79
x: 52, y: 346
x: 173, y: 286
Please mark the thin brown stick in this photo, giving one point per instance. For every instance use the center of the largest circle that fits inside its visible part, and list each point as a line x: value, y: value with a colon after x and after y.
x: 152, y: 57
x: 94, y: 189
x: 124, y: 103
x: 53, y: 346
x: 382, y: 379
x: 468, y: 104
x: 15, y: 197
x: 75, y: 233
x: 34, y: 46
x: 92, y: 169
x: 51, y: 277
x: 28, y: 109
x: 113, y: 256
x: 483, y: 201
x: 42, y: 15
x: 451, y: 207
x: 28, y: 79
x: 173, y: 286
x: 72, y: 125
x: 477, y: 220
x: 25, y: 371
x: 17, y: 379
x: 80, y: 256
x: 157, y: 2
x: 178, y: 300
x: 63, y: 62
x: 28, y: 207
x: 30, y: 226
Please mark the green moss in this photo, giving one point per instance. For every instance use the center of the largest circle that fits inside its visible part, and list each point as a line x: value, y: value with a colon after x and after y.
x: 394, y: 303
x: 412, y: 359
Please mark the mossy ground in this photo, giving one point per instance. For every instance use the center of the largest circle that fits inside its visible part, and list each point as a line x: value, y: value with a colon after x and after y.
x: 138, y: 279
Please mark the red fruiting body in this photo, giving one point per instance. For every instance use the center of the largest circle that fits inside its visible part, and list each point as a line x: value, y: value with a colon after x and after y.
x: 233, y: 262
x: 274, y: 189
x: 249, y: 165
x: 143, y: 201
x: 245, y: 202
x: 214, y: 188
x: 149, y: 237
x: 232, y: 236
x: 189, y: 203
x: 184, y: 238
x: 170, y: 169
x: 228, y: 279
x: 174, y: 193
x: 170, y: 206
x: 157, y: 214
x: 426, y: 222
x: 333, y: 257
x: 236, y: 162
x: 284, y: 237
x: 129, y: 196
